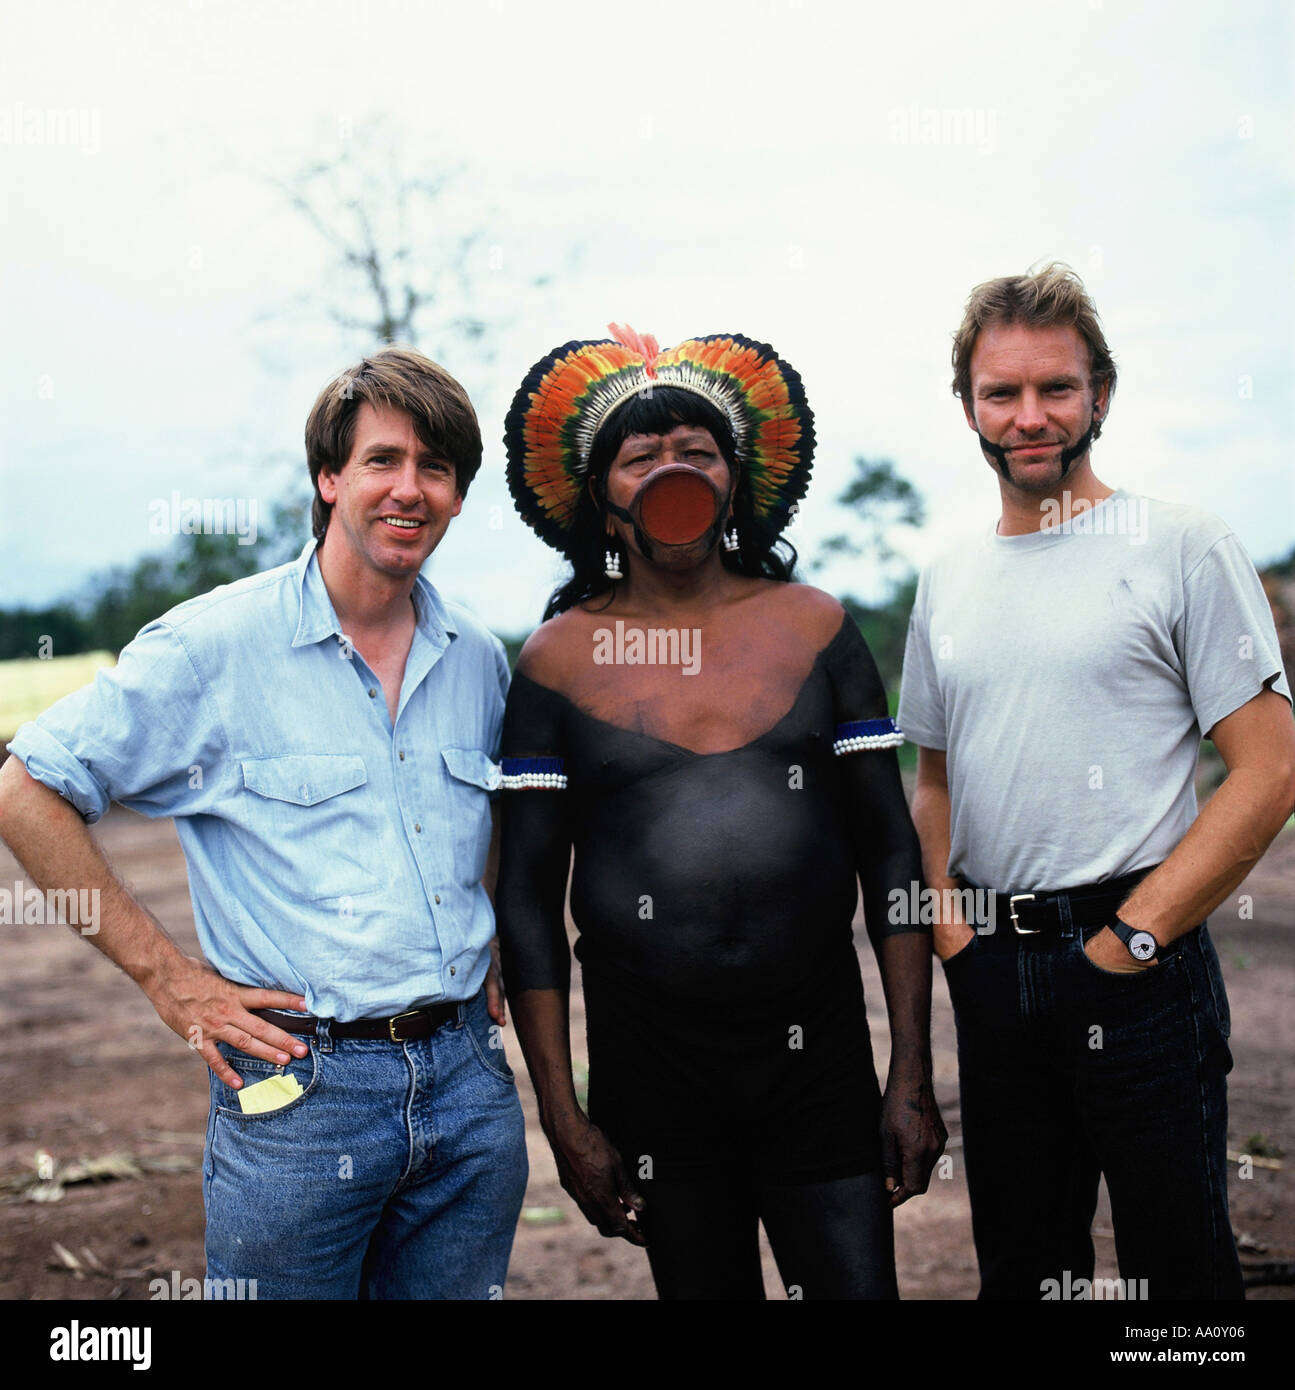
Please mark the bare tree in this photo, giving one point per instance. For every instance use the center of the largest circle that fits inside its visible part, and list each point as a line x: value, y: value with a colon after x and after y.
x: 410, y: 248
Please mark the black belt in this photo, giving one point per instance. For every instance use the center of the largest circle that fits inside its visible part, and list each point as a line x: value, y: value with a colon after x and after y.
x: 1032, y: 914
x: 406, y: 1027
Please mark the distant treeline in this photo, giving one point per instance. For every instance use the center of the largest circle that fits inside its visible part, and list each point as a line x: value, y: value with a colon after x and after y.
x: 122, y: 601
x: 116, y: 604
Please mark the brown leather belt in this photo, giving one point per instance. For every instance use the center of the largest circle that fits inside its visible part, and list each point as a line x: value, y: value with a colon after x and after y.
x: 406, y: 1027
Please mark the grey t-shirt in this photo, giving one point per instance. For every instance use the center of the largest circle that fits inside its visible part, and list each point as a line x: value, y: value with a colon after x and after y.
x: 1070, y: 673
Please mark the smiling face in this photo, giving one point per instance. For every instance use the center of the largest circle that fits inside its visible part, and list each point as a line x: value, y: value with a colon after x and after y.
x: 393, y: 498
x: 1031, y: 397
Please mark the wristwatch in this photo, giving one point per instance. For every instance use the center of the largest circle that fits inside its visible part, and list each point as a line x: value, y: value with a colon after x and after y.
x: 1142, y: 945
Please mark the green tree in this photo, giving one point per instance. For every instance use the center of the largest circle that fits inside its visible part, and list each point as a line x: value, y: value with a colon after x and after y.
x: 880, y: 499
x: 23, y: 631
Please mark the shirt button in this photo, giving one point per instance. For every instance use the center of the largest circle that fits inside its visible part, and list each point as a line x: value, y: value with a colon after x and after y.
x: 373, y: 694
x: 402, y: 755
x: 451, y: 970
x: 418, y: 829
x: 436, y: 897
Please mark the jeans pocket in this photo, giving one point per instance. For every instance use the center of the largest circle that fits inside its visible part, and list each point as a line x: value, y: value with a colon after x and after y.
x: 961, y: 953
x: 1165, y: 966
x: 487, y: 1039
x: 304, y: 1070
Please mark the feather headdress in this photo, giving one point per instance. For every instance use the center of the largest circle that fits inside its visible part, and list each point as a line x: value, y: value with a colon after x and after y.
x: 567, y: 397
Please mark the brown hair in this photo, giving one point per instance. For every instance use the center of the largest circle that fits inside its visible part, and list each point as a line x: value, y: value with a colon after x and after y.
x: 1040, y: 299
x: 396, y: 376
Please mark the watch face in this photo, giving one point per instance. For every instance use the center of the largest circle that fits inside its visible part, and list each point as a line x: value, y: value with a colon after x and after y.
x: 1142, y: 945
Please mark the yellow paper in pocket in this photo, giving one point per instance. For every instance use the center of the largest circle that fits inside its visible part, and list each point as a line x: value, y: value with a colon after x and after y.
x: 271, y: 1094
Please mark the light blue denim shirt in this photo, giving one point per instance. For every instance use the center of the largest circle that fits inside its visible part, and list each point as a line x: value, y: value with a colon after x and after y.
x: 330, y: 852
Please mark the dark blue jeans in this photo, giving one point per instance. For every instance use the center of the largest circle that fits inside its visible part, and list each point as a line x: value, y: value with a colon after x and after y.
x: 1068, y: 1072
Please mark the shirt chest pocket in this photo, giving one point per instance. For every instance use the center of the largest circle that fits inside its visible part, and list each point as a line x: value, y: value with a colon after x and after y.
x: 318, y: 821
x: 472, y: 777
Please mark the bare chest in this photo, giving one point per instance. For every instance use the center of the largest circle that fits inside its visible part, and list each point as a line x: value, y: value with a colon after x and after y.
x: 708, y: 689
x: 387, y: 662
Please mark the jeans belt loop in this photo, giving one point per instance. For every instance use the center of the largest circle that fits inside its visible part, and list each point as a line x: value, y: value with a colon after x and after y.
x: 1067, y: 920
x: 323, y: 1034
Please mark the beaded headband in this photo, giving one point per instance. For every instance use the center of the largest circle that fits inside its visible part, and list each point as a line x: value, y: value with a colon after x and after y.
x: 569, y: 395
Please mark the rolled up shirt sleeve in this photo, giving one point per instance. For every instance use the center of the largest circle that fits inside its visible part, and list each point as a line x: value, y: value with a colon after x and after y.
x: 143, y: 733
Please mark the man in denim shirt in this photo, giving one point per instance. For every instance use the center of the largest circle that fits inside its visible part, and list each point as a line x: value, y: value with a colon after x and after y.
x: 323, y: 735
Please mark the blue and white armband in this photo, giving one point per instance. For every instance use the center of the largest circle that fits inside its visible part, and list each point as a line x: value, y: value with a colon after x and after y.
x: 533, y: 774
x: 865, y: 735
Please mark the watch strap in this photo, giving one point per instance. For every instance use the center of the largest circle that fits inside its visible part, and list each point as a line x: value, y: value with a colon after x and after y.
x: 1141, y: 945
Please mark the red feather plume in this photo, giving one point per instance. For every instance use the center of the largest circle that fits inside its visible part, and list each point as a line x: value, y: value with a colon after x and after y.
x: 643, y: 343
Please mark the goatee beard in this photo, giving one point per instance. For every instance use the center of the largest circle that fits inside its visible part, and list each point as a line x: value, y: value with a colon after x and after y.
x: 1068, y: 455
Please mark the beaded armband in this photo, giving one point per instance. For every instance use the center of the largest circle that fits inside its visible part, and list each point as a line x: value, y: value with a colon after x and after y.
x: 533, y: 774
x: 864, y: 735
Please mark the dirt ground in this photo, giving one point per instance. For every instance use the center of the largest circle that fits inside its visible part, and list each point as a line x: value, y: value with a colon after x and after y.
x: 88, y: 1070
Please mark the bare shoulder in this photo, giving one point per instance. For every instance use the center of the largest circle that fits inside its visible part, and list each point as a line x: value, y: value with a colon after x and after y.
x: 557, y: 648
x: 810, y: 611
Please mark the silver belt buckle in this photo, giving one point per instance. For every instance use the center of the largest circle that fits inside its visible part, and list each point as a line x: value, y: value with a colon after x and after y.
x: 1016, y: 921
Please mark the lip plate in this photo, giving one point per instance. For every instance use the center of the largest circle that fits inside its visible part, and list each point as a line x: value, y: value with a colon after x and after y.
x: 677, y: 505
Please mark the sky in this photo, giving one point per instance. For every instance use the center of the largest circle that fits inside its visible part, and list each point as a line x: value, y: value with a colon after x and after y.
x: 830, y: 178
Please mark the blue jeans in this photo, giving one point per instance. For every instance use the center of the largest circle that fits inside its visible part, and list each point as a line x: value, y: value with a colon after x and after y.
x: 1068, y: 1072
x: 398, y: 1172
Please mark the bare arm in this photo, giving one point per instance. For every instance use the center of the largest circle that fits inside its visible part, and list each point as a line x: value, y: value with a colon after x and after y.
x: 931, y: 816
x: 589, y: 1167
x: 913, y: 1134
x: 50, y: 840
x: 490, y: 880
x: 1228, y: 838
x: 534, y: 863
x: 533, y: 932
x: 495, y: 1002
x: 888, y: 858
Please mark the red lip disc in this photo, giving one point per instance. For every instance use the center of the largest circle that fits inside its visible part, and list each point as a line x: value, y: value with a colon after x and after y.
x: 677, y: 509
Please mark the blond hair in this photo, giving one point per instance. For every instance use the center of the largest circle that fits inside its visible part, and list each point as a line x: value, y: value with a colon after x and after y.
x: 1042, y: 298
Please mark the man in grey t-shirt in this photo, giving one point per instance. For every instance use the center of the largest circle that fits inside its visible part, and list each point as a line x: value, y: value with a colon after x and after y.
x: 1058, y: 677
